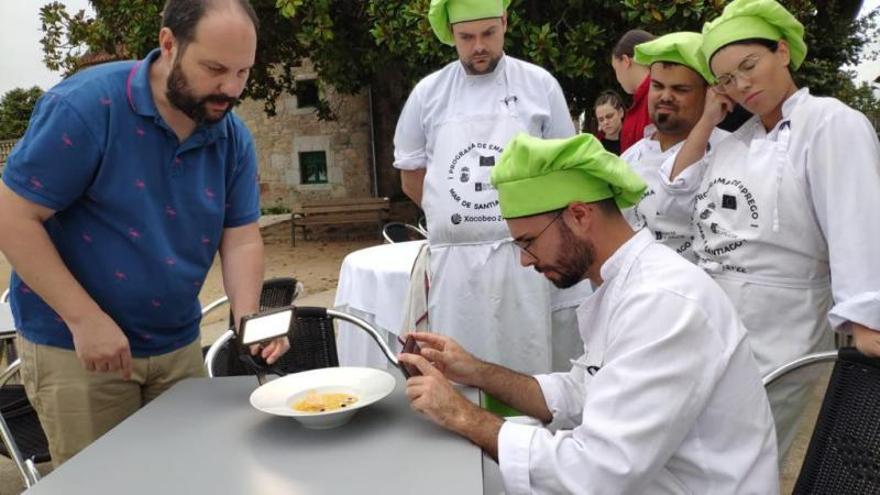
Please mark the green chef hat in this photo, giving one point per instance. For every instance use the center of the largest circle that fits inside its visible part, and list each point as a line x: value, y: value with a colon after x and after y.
x: 443, y: 13
x: 535, y: 175
x: 683, y: 48
x: 763, y: 19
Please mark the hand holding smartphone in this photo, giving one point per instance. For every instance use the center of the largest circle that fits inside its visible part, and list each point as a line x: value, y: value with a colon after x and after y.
x: 410, y: 346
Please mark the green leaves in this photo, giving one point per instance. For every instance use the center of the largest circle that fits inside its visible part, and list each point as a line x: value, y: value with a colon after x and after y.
x: 15, y: 111
x: 354, y: 44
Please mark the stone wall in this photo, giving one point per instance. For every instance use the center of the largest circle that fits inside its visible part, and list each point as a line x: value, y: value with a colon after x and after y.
x: 281, y: 138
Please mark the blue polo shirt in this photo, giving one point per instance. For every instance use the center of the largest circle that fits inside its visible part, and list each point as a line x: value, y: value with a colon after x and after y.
x: 139, y: 215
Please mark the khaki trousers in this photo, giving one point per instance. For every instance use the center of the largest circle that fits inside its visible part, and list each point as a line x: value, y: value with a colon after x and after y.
x: 76, y: 406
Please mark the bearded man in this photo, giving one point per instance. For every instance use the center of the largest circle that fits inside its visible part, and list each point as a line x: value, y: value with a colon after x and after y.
x: 130, y: 177
x: 679, y: 77
x: 454, y: 126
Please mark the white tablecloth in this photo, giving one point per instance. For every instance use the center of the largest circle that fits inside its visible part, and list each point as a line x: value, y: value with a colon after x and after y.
x: 373, y: 283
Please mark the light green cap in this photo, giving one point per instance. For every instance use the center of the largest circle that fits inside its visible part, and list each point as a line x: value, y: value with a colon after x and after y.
x: 763, y: 19
x: 683, y: 48
x: 444, y: 13
x: 535, y: 175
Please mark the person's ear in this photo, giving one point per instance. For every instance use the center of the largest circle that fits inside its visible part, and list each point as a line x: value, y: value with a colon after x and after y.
x: 783, y: 51
x: 167, y: 42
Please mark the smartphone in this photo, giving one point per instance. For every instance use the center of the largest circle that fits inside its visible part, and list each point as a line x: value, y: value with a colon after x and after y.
x: 410, y: 346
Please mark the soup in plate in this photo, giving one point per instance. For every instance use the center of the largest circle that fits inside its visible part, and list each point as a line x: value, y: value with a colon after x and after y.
x: 317, y: 402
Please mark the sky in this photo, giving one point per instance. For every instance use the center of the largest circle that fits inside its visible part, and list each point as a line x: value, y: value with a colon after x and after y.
x: 21, y: 62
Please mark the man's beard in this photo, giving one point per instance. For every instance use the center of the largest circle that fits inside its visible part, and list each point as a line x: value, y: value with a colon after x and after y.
x: 575, y: 259
x: 180, y: 95
x: 668, y: 123
x: 472, y: 70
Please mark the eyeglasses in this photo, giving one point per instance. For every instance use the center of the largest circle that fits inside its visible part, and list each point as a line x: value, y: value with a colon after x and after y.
x: 726, y: 83
x: 525, y: 245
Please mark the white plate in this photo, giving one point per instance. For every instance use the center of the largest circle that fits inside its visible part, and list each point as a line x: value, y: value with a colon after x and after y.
x: 278, y: 396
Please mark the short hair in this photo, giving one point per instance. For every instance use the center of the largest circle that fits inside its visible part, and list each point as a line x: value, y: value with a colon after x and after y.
x: 182, y: 16
x: 609, y: 97
x: 627, y: 43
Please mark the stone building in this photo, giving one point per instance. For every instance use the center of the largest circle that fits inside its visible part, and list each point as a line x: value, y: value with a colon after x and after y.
x: 304, y: 158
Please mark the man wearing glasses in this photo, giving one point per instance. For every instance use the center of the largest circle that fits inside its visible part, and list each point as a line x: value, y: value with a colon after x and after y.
x: 640, y: 411
x: 676, y: 97
x: 455, y: 124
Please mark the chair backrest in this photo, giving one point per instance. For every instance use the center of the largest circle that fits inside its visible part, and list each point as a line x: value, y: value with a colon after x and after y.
x: 276, y: 293
x: 313, y: 346
x: 21, y: 435
x: 394, y: 232
x: 844, y: 451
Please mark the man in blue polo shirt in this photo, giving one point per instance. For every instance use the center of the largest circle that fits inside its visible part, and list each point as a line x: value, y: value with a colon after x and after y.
x: 129, y: 179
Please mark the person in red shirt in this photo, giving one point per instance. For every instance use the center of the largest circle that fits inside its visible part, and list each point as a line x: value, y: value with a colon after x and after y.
x: 635, y: 80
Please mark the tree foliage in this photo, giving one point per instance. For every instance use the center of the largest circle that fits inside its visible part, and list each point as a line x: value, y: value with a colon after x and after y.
x: 386, y: 46
x: 15, y: 111
x: 353, y: 43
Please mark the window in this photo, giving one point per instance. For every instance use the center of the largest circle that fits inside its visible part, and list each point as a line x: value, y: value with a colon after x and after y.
x: 313, y: 167
x: 307, y: 93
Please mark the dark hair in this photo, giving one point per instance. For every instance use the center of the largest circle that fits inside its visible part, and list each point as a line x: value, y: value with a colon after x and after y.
x: 768, y: 44
x: 182, y: 16
x: 627, y: 43
x: 609, y: 97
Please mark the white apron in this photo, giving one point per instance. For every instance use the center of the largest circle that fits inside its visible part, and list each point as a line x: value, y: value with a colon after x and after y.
x: 480, y: 295
x: 756, y: 233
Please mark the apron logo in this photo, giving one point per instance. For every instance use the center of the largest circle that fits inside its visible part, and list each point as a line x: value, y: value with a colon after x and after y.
x: 482, y: 186
x: 487, y: 161
x: 465, y: 174
x: 728, y: 202
x: 456, y: 219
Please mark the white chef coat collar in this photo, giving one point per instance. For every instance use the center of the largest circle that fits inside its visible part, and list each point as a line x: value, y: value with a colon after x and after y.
x: 792, y: 102
x: 495, y: 74
x: 649, y: 131
x: 624, y: 254
x: 754, y: 127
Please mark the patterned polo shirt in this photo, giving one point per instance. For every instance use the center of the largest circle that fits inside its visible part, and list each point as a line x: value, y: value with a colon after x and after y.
x: 139, y: 214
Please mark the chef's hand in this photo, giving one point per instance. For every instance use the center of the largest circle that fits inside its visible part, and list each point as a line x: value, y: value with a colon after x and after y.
x: 866, y: 340
x: 432, y: 394
x: 272, y: 351
x: 101, y: 345
x: 716, y: 108
x: 449, y: 358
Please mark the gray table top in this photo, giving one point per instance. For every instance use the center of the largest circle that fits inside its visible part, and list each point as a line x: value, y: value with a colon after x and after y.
x: 202, y: 436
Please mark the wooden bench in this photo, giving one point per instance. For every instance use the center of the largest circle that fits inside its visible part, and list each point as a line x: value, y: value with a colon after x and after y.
x: 338, y: 212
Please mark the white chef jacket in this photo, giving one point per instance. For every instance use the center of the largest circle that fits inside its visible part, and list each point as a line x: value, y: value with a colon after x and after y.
x: 539, y: 99
x: 834, y: 158
x: 479, y: 294
x: 645, y: 158
x: 667, y: 398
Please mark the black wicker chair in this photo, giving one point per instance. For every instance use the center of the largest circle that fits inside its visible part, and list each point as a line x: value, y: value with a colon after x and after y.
x: 312, y: 346
x: 23, y: 439
x: 394, y: 232
x: 276, y: 293
x: 844, y: 451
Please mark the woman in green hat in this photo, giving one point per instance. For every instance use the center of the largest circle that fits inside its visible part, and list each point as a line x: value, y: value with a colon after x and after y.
x: 785, y: 210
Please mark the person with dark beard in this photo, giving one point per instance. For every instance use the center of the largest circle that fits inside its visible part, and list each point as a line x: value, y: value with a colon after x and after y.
x: 678, y: 80
x: 461, y: 118
x: 640, y: 411
x: 130, y: 177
